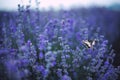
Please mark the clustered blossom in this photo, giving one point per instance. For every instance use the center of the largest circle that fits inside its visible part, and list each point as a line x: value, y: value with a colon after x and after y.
x: 57, y: 52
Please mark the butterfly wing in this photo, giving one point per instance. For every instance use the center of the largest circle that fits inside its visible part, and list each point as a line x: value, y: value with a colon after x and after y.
x: 93, y: 43
x: 87, y: 43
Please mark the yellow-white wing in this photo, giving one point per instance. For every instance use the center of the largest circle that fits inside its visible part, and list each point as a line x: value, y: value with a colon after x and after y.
x: 87, y: 43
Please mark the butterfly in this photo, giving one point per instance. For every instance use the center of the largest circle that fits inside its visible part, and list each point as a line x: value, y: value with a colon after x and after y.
x: 88, y: 43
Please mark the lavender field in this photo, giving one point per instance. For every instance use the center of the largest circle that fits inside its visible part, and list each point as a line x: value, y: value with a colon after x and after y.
x: 75, y: 44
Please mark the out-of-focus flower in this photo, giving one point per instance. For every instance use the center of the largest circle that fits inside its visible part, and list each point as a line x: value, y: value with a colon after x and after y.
x: 65, y: 77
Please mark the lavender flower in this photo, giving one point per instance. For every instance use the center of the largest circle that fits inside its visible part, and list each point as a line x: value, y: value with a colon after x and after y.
x: 34, y: 47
